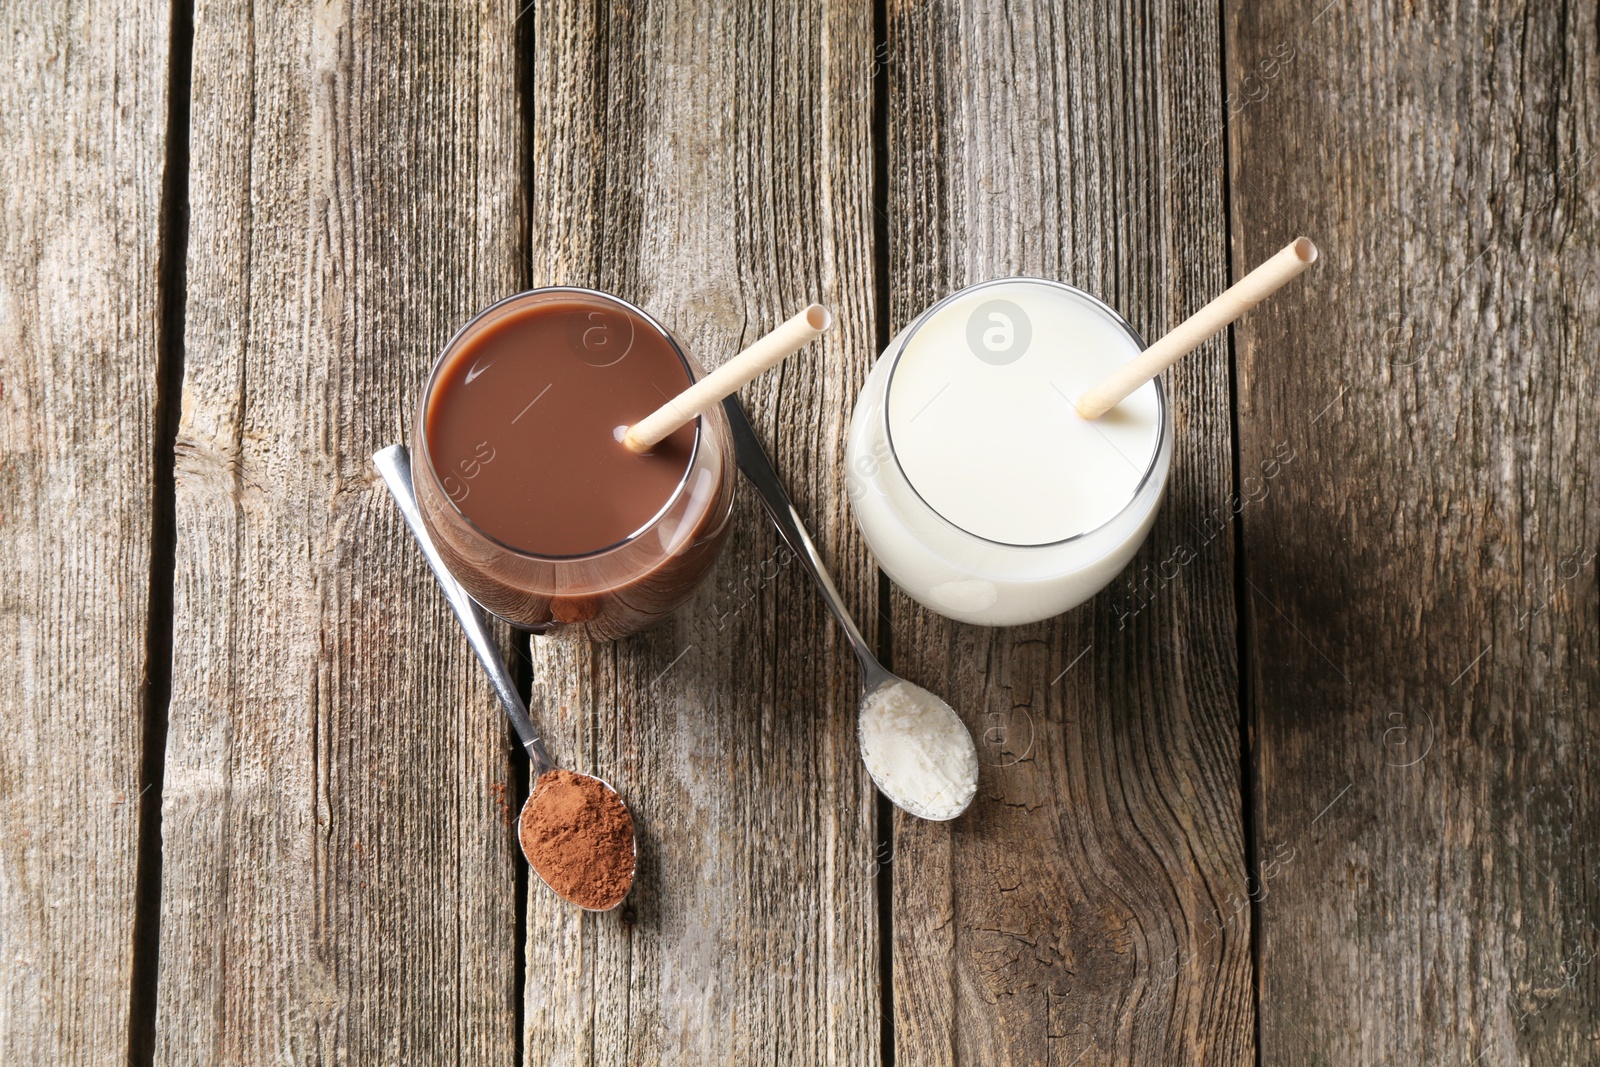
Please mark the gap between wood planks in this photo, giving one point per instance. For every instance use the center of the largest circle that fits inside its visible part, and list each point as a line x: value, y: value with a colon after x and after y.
x: 521, y: 776
x: 883, y: 854
x: 1242, y: 605
x: 174, y: 238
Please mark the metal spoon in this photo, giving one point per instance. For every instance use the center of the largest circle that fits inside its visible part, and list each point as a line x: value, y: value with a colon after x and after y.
x: 956, y: 789
x: 394, y: 463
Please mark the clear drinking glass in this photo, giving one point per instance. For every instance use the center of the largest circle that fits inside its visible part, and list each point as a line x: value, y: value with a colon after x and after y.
x: 997, y: 576
x: 616, y: 589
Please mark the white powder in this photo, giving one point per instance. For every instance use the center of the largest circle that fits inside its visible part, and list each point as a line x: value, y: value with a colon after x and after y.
x: 918, y: 751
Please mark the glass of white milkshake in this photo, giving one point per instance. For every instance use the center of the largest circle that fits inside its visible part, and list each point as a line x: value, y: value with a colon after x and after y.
x: 979, y: 488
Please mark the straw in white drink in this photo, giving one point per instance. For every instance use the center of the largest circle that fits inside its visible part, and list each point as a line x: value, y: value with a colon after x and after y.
x: 1189, y: 334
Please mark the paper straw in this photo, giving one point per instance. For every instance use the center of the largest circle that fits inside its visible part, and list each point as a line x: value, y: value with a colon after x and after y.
x: 1188, y: 335
x: 766, y: 353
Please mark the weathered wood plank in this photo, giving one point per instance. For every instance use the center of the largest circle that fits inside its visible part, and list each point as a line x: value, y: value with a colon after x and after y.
x: 1092, y: 907
x: 713, y: 163
x: 339, y: 881
x: 1422, y: 617
x: 83, y: 111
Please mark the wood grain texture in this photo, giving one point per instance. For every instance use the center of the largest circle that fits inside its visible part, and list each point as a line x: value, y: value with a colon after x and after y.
x: 339, y: 881
x: 83, y: 111
x: 712, y: 163
x: 1423, y: 621
x: 1092, y: 907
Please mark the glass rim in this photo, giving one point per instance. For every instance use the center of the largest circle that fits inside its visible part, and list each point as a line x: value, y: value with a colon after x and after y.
x: 1103, y: 308
x: 450, y: 346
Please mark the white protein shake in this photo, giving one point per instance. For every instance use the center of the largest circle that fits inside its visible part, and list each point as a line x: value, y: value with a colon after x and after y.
x: 977, y: 485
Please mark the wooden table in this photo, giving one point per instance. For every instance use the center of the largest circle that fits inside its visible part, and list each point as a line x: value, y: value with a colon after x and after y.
x: 1312, y: 783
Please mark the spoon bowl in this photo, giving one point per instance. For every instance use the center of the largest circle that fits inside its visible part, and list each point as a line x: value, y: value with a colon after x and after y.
x: 917, y: 750
x: 394, y: 464
x: 554, y: 876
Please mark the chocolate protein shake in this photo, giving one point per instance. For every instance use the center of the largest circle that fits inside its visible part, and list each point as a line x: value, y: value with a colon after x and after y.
x: 525, y: 487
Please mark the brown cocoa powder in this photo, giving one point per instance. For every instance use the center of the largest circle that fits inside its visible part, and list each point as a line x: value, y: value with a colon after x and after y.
x: 578, y: 835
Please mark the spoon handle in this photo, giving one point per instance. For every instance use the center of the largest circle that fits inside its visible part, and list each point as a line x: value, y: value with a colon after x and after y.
x: 758, y: 469
x: 394, y: 463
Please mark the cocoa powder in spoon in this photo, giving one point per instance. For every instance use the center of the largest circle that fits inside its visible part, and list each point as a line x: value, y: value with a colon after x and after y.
x: 579, y: 836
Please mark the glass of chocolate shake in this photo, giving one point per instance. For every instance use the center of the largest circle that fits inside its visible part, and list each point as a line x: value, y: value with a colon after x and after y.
x: 540, y: 511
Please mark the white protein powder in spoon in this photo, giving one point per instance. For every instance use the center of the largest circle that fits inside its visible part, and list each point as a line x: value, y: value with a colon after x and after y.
x: 918, y: 751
